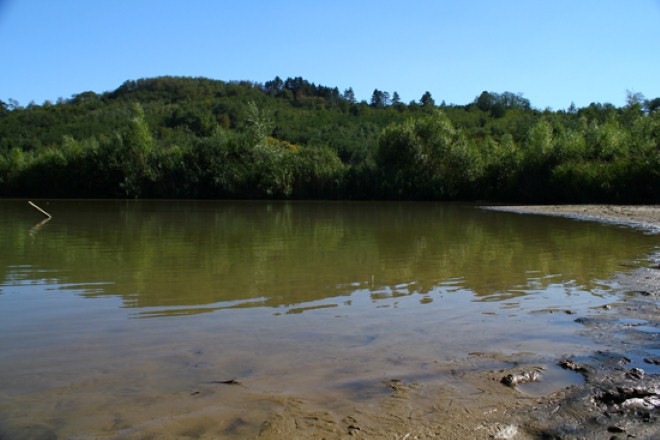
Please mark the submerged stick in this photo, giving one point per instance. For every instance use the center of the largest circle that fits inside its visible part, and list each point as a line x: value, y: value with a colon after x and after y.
x: 40, y: 210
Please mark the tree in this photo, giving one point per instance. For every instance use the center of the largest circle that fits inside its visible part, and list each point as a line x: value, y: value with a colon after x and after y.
x: 396, y: 102
x: 259, y: 124
x: 274, y: 87
x: 514, y: 100
x: 539, y: 142
x: 13, y: 104
x: 427, y: 100
x: 133, y: 150
x: 498, y: 110
x: 349, y: 95
x: 634, y: 107
x: 84, y: 97
x: 485, y: 101
x: 317, y: 173
x: 426, y: 158
x: 634, y: 99
x: 193, y: 118
x: 194, y: 137
x: 379, y: 99
x: 386, y: 98
x: 652, y: 105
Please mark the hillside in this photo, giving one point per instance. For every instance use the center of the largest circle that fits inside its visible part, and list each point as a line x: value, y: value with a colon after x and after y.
x: 174, y: 137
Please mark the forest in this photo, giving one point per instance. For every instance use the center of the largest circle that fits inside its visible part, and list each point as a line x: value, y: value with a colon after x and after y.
x: 181, y: 137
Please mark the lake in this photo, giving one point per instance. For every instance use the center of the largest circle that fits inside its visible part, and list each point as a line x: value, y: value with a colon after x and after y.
x: 117, y: 317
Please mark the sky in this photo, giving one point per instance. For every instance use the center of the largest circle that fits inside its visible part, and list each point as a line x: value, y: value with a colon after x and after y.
x: 554, y: 52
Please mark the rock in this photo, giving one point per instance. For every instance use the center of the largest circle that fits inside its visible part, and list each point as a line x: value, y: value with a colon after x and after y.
x: 568, y: 364
x: 625, y: 398
x: 615, y: 429
x: 506, y: 432
x: 650, y: 402
x: 635, y: 373
x: 654, y: 361
x: 526, y: 376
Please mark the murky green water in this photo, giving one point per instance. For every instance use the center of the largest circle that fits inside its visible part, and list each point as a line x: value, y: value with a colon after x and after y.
x: 312, y: 299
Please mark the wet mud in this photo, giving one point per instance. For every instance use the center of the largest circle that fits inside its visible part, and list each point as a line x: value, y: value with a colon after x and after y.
x: 615, y: 393
x: 621, y: 394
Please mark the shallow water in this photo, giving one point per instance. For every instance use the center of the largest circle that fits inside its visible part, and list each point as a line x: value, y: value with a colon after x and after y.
x: 116, y: 314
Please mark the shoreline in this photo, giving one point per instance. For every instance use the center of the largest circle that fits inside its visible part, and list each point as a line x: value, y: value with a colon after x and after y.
x: 645, y: 217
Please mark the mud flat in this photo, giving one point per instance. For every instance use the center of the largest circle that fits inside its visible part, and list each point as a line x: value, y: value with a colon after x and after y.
x: 619, y: 396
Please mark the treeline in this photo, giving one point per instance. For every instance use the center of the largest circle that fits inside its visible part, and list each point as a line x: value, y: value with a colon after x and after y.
x: 174, y: 137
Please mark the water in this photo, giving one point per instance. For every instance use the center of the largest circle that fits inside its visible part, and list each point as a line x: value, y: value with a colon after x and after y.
x: 117, y: 313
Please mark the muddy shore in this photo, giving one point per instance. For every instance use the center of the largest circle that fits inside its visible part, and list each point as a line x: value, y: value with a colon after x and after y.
x: 620, y: 396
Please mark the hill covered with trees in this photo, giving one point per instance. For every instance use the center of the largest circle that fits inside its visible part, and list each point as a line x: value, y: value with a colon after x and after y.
x: 175, y: 137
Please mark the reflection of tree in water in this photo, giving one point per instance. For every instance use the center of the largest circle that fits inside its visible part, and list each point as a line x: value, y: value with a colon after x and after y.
x: 157, y: 254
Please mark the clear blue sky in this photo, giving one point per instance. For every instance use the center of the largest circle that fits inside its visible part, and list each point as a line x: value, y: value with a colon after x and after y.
x: 553, y: 51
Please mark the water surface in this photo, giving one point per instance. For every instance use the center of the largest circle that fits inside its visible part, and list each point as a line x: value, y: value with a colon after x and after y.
x: 115, y: 313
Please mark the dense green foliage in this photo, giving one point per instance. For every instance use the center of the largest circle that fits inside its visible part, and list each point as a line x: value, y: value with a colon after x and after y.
x: 174, y: 137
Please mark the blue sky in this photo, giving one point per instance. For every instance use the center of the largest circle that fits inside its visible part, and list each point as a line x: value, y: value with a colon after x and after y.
x: 553, y: 51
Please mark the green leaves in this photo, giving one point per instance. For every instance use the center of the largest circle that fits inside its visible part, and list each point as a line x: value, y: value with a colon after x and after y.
x: 200, y: 138
x: 427, y: 158
x: 258, y: 124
